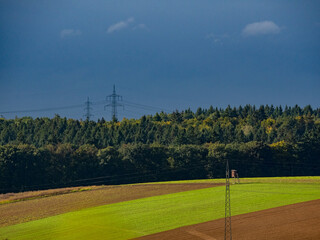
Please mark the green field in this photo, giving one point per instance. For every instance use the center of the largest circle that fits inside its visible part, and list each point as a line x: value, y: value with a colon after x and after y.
x: 306, y: 179
x: 140, y: 217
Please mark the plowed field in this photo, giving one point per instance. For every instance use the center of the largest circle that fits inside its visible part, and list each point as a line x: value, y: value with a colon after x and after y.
x: 292, y: 222
x: 24, y: 211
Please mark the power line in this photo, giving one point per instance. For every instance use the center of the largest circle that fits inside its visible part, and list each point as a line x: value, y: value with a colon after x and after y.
x: 124, y: 177
x: 43, y: 109
x: 146, y: 107
x: 88, y: 109
x: 110, y: 178
x: 101, y: 102
x: 158, y: 170
x: 114, y: 98
x: 162, y: 170
x: 227, y: 218
x: 136, y: 113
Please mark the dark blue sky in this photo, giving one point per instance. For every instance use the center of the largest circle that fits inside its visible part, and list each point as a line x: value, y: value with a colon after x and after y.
x: 168, y: 54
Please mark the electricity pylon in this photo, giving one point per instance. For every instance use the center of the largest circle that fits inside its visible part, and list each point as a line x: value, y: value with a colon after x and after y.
x: 88, y: 109
x: 113, y: 99
x: 227, y: 219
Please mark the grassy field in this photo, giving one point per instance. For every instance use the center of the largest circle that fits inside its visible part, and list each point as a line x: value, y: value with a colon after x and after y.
x: 305, y: 179
x: 140, y: 217
x: 41, y: 207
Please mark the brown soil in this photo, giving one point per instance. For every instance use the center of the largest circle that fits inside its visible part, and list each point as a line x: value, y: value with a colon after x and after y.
x: 24, y: 211
x: 22, y: 196
x: 292, y: 222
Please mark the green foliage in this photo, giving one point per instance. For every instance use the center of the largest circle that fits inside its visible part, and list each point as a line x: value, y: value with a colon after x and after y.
x: 25, y: 167
x: 264, y: 141
x: 266, y: 124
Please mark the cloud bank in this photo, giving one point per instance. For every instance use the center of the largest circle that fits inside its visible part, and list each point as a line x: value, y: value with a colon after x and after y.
x: 70, y: 33
x: 261, y: 28
x: 141, y: 26
x: 120, y: 25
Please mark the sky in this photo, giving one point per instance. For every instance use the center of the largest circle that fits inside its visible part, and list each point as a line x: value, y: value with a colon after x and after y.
x: 160, y: 55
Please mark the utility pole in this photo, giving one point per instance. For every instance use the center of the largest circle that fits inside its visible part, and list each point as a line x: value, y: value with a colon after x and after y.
x: 88, y: 109
x: 113, y: 99
x: 227, y: 219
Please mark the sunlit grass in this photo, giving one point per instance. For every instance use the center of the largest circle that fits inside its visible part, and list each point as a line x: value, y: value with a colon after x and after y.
x: 140, y: 217
x: 304, y: 179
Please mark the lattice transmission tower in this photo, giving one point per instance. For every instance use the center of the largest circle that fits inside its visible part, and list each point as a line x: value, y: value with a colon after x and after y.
x: 88, y: 109
x: 227, y: 219
x: 113, y: 99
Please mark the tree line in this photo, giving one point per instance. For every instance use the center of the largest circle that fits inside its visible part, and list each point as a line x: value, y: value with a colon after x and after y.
x: 46, y: 153
x: 267, y: 124
x: 25, y: 167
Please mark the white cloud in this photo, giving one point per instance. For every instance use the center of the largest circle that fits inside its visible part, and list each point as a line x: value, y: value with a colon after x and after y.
x: 120, y: 25
x: 141, y: 26
x: 70, y: 33
x: 217, y: 38
x: 261, y: 28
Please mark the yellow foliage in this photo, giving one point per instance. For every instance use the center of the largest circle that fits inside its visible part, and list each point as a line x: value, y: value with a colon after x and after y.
x: 268, y: 124
x: 268, y: 130
x: 298, y: 118
x: 280, y: 144
x: 208, y: 121
x: 203, y: 126
x: 82, y: 123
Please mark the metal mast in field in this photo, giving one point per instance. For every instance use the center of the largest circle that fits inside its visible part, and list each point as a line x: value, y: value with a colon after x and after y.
x: 88, y: 109
x: 227, y: 219
x: 113, y: 99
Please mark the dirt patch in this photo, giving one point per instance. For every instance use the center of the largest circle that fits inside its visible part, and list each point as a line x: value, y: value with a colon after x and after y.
x: 24, y: 211
x: 292, y: 222
x: 23, y: 196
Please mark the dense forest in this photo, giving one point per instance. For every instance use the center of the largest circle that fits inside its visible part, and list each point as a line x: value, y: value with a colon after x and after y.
x: 265, y: 141
x: 231, y: 125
